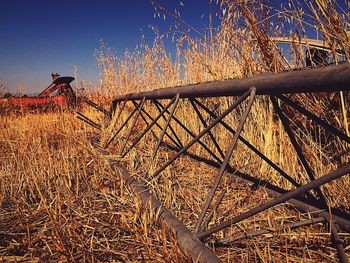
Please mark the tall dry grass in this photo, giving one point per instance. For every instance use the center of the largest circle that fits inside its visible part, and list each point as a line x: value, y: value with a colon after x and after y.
x: 60, y: 201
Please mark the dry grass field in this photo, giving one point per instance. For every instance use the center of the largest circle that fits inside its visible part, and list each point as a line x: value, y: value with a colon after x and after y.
x: 60, y: 200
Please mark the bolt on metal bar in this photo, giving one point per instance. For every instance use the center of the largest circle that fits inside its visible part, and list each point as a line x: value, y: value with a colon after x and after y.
x: 133, y: 124
x: 148, y: 128
x: 166, y: 125
x: 217, y: 146
x: 250, y: 146
x: 278, y: 200
x: 157, y: 124
x: 315, y: 118
x: 254, y: 233
x: 205, y: 147
x: 203, y: 132
x: 170, y: 127
x: 88, y: 121
x: 226, y: 160
x: 121, y: 127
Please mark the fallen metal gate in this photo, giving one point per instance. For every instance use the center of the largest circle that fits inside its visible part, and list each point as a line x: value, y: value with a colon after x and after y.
x: 323, y: 79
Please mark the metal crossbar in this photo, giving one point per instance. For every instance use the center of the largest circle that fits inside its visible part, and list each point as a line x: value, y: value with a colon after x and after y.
x: 306, y: 197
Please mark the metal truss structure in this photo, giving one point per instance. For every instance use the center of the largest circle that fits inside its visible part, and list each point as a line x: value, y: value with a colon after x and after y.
x: 307, y: 197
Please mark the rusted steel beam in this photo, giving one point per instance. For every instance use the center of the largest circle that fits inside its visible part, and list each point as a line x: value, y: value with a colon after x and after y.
x: 321, y: 79
x: 186, y: 241
x: 282, y: 198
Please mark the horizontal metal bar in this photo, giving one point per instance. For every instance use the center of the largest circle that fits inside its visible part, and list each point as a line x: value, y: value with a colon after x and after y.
x: 321, y: 79
x: 185, y: 239
x: 283, y: 198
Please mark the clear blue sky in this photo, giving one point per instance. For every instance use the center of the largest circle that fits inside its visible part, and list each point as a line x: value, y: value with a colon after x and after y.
x: 39, y: 37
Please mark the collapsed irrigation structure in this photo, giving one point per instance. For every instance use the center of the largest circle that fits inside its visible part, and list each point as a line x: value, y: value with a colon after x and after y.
x: 308, y: 197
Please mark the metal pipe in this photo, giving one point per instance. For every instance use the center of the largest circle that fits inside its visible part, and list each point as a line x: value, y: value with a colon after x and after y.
x: 321, y: 79
x: 185, y: 239
x: 88, y: 121
x: 98, y: 107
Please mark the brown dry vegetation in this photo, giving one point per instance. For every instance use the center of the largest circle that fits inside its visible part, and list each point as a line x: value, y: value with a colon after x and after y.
x: 59, y: 199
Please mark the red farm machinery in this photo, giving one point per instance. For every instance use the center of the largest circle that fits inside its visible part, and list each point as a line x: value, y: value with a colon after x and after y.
x: 59, y: 94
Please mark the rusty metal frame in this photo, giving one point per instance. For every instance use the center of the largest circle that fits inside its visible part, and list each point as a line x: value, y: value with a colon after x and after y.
x: 324, y: 79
